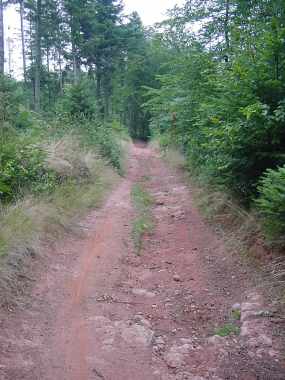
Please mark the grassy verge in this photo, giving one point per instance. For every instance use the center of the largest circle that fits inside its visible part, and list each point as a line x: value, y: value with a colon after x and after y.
x: 85, y: 181
x: 143, y: 223
x: 239, y: 228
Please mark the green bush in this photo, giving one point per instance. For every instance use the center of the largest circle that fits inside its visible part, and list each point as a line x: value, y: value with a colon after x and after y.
x: 78, y: 101
x: 10, y: 98
x: 105, y: 139
x: 271, y: 201
x: 109, y: 147
x: 23, y: 119
x: 22, y: 167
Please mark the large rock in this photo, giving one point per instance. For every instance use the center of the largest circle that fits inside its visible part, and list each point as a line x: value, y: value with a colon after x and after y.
x: 143, y: 293
x: 175, y: 357
x: 136, y: 332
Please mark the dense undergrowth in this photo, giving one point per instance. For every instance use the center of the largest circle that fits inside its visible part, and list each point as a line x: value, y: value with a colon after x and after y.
x: 53, y: 170
x: 240, y: 227
x: 221, y: 101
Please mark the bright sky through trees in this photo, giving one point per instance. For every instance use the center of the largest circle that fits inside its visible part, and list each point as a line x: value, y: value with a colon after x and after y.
x: 151, y: 11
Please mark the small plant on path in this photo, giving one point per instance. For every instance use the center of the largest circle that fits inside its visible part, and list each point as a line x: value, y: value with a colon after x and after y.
x: 143, y: 223
x: 227, y: 329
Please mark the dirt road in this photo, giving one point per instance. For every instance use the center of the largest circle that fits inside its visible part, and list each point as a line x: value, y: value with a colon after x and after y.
x: 99, y: 311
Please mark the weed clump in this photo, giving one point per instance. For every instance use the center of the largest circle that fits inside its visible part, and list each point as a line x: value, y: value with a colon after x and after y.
x: 143, y: 223
x: 271, y: 203
x: 227, y: 329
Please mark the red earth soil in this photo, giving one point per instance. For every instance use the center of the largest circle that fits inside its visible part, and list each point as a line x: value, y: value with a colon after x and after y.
x: 99, y: 311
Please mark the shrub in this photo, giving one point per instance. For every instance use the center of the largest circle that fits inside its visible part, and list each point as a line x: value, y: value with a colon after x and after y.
x: 10, y: 98
x: 109, y: 147
x: 227, y: 329
x: 78, y: 101
x: 23, y: 119
x: 271, y: 201
x: 105, y: 139
x: 22, y: 167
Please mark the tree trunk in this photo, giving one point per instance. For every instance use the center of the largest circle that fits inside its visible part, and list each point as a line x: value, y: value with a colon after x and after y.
x: 74, y: 64
x: 38, y: 58
x: 107, y: 92
x: 227, y: 39
x: 48, y: 76
x: 106, y: 107
x: 22, y: 12
x: 99, y: 93
x: 2, y: 51
x: 60, y: 72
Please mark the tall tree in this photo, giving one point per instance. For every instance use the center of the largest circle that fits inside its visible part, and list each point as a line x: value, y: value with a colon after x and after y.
x: 22, y: 15
x: 102, y: 44
x: 2, y: 51
x: 134, y: 72
x: 73, y: 10
x: 38, y: 54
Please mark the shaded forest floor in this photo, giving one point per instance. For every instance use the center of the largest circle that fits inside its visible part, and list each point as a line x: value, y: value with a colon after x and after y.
x: 183, y: 307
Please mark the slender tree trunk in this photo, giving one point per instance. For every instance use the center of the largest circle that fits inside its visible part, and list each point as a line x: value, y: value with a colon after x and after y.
x: 106, y: 107
x: 107, y: 93
x: 74, y: 64
x: 60, y: 72
x: 227, y: 39
x: 22, y: 12
x: 277, y: 64
x: 48, y: 77
x: 2, y: 51
x: 10, y: 49
x: 74, y: 54
x: 99, y: 93
x: 38, y: 58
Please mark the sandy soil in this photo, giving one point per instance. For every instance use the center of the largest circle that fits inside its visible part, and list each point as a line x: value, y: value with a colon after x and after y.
x: 99, y: 311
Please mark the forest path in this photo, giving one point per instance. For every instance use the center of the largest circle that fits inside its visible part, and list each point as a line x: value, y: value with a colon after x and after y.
x: 99, y: 311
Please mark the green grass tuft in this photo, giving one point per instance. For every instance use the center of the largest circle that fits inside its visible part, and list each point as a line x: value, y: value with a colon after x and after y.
x: 227, y: 329
x: 143, y: 223
x: 236, y: 315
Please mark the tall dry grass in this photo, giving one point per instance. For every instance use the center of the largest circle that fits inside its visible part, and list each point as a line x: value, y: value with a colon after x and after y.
x: 86, y: 179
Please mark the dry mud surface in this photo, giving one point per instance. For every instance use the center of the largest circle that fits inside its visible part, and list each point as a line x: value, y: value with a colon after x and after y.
x: 99, y: 311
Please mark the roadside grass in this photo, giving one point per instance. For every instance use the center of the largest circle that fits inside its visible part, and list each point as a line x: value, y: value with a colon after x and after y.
x: 25, y: 225
x: 239, y: 228
x: 174, y: 158
x: 27, y: 220
x: 143, y: 222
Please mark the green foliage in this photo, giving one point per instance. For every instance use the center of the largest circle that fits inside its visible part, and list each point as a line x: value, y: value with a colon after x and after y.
x: 22, y: 168
x: 23, y: 119
x: 136, y: 70
x: 222, y: 97
x: 271, y: 201
x: 105, y: 139
x: 78, y: 101
x: 10, y: 97
x: 228, y: 329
